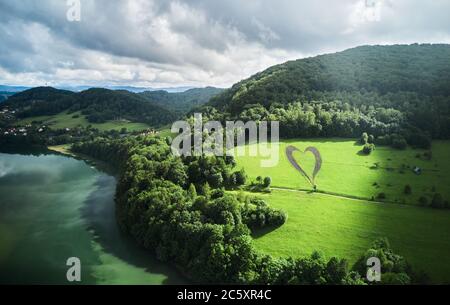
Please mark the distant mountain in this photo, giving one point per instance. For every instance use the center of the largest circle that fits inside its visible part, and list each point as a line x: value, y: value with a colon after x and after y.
x: 182, y: 102
x: 4, y: 88
x: 15, y: 89
x: 98, y: 105
x: 127, y: 88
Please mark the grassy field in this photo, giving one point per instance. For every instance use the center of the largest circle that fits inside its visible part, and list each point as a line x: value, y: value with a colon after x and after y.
x: 337, y: 225
x: 346, y: 228
x: 66, y: 120
x: 345, y: 171
x: 165, y: 132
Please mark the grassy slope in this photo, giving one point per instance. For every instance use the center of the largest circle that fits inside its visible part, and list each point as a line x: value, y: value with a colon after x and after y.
x: 346, y: 227
x: 344, y: 171
x: 65, y: 120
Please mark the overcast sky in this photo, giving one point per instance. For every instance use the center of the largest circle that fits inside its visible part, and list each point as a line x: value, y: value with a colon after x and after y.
x: 162, y: 43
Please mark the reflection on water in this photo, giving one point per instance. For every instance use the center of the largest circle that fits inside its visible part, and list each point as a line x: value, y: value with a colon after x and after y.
x: 54, y: 207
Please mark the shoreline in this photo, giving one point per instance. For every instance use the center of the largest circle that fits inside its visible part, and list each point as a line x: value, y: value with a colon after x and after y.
x: 98, y: 164
x: 62, y: 149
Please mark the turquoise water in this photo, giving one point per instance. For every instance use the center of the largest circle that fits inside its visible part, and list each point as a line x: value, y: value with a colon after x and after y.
x: 54, y: 207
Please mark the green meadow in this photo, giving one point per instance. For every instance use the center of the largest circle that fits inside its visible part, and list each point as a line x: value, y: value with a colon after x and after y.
x: 342, y: 220
x: 72, y: 120
x: 346, y: 172
x: 345, y: 228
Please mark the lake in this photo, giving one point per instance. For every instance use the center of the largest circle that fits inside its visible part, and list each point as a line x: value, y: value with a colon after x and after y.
x: 54, y: 207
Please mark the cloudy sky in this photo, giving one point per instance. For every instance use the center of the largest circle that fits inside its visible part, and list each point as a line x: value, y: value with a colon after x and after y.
x: 164, y: 43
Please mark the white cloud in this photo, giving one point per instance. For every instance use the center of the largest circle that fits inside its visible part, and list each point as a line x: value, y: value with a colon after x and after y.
x: 198, y: 42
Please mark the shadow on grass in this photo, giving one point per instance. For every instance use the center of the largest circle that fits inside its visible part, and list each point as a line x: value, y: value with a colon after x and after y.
x: 362, y: 153
x: 258, y: 233
x: 318, y: 140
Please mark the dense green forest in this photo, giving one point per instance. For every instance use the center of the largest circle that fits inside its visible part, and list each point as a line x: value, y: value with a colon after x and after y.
x: 393, y: 92
x: 182, y: 102
x: 98, y: 105
x: 179, y: 208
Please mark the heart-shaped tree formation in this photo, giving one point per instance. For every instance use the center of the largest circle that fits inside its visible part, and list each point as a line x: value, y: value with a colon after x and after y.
x: 318, y: 165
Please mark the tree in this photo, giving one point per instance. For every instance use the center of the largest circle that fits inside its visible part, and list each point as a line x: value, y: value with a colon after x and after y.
x: 368, y: 149
x: 371, y: 139
x: 216, y: 180
x: 393, y: 266
x: 399, y: 143
x: 206, y: 190
x: 407, y: 190
x: 336, y: 271
x: 381, y: 196
x: 192, y: 191
x: 232, y: 180
x: 241, y: 177
x: 364, y: 138
x: 267, y: 182
x: 395, y: 279
x: 420, y: 140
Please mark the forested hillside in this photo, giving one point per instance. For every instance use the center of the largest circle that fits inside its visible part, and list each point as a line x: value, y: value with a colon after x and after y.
x: 4, y: 95
x: 41, y: 101
x: 98, y: 105
x: 182, y: 102
x: 383, y: 90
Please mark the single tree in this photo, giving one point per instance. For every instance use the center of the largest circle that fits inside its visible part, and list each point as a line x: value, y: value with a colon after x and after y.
x: 408, y: 190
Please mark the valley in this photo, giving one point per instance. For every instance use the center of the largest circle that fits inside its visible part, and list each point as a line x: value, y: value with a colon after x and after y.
x: 382, y: 130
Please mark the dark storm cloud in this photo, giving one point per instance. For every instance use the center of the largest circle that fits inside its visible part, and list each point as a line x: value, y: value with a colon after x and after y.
x: 197, y: 42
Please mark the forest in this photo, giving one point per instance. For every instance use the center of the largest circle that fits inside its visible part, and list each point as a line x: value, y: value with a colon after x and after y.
x: 98, y: 105
x: 393, y: 92
x: 181, y: 102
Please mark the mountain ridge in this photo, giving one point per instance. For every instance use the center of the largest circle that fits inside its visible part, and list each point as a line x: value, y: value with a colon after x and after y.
x: 322, y: 73
x: 398, y: 93
x: 97, y: 104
